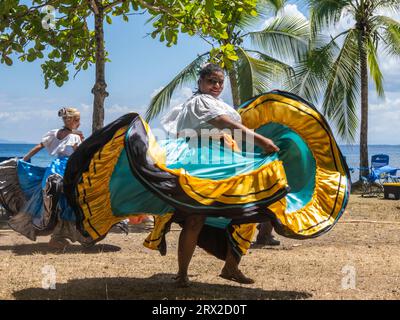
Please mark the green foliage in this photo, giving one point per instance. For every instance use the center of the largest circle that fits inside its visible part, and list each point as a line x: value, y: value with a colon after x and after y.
x: 72, y: 43
x: 286, y: 36
x: 206, y: 18
x: 312, y: 71
x: 25, y: 36
x: 224, y: 55
x: 254, y: 70
x: 343, y: 88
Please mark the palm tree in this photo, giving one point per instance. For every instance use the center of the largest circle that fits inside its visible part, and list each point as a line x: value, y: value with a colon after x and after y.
x: 252, y: 71
x: 343, y: 75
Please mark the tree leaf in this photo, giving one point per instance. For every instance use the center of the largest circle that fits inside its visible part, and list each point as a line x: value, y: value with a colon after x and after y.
x: 344, y: 89
x: 373, y: 65
x: 255, y: 76
x: 8, y: 60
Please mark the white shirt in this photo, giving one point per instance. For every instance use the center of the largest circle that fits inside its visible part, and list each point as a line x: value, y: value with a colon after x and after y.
x: 196, y: 112
x: 57, y: 147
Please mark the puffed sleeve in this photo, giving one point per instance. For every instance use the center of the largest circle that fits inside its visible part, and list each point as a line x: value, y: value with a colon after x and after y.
x: 205, y: 108
x: 48, y: 138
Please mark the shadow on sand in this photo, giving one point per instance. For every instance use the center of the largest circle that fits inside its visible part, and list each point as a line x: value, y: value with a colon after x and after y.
x: 43, y: 248
x: 4, y: 224
x: 159, y: 286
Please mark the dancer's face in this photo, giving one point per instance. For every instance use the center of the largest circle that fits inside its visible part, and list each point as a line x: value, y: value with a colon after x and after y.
x: 212, y: 84
x: 73, y: 123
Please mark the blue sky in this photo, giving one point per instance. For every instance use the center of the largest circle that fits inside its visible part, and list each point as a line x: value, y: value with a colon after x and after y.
x: 140, y: 66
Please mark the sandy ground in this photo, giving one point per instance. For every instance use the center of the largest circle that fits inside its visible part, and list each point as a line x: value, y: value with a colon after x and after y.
x: 358, y: 259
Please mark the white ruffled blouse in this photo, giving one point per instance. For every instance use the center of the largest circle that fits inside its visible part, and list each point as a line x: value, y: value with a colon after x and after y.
x: 195, y: 113
x: 60, y: 148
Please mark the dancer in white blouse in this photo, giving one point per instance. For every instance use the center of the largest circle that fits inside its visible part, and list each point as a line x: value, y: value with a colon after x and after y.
x: 46, y: 209
x: 204, y: 110
x: 61, y: 142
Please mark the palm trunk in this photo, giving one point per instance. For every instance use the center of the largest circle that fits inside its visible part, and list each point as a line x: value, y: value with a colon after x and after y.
x: 364, y: 108
x: 234, y: 87
x: 99, y: 89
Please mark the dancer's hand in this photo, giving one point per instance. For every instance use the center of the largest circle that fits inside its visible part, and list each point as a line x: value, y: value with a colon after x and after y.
x: 269, y: 146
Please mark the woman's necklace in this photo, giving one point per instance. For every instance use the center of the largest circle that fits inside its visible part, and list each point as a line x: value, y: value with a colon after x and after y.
x: 68, y: 129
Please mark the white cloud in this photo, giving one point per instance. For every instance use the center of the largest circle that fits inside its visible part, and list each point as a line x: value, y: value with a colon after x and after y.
x: 85, y: 107
x: 383, y: 120
x: 287, y: 10
x: 119, y: 110
x: 388, y: 13
x: 384, y: 126
x: 181, y: 96
x: 389, y: 105
x: 291, y: 10
x: 26, y: 119
x: 345, y: 22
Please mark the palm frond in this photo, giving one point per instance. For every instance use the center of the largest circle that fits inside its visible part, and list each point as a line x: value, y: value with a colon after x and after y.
x: 286, y: 37
x: 312, y: 72
x: 280, y: 72
x: 345, y: 116
x: 390, y: 35
x: 391, y: 5
x: 163, y: 98
x: 276, y: 4
x: 343, y: 89
x: 386, y: 20
x: 255, y: 74
x: 264, y: 8
x: 326, y: 12
x: 373, y: 65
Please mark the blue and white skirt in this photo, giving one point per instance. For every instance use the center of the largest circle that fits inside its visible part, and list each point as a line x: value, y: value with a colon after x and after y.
x: 33, y: 199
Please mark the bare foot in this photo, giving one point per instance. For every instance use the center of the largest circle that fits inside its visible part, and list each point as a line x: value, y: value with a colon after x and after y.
x: 182, y: 281
x: 236, y: 275
x: 58, y: 243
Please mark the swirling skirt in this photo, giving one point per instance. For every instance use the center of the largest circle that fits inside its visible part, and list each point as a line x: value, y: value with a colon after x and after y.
x: 123, y: 170
x: 34, y: 201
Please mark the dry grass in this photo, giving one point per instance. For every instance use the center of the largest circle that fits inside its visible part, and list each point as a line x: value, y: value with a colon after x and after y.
x: 121, y: 268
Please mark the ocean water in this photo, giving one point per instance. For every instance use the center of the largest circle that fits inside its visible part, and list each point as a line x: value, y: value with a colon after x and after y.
x: 351, y: 152
x: 42, y: 158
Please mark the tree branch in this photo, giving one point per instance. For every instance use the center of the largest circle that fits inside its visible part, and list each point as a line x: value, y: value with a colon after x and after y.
x: 205, y: 39
x: 93, y: 5
x: 31, y: 9
x: 113, y: 4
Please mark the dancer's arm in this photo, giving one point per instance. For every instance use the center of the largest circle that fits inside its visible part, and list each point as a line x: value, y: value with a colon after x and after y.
x: 33, y: 151
x: 225, y: 122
